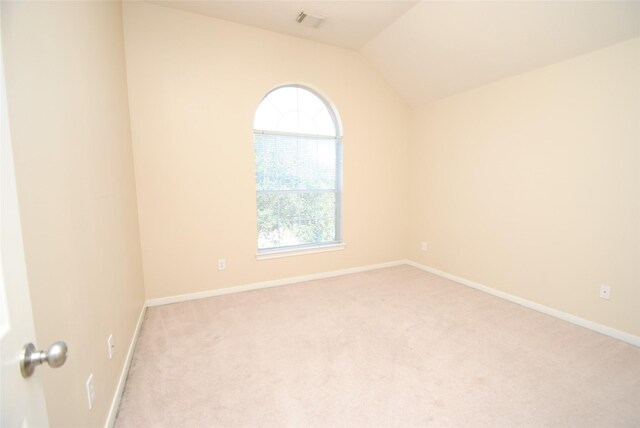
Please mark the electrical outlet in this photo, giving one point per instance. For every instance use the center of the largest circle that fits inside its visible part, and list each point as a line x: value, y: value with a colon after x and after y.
x: 91, y: 392
x: 110, y: 346
x: 424, y: 246
x: 222, y: 264
x: 605, y: 292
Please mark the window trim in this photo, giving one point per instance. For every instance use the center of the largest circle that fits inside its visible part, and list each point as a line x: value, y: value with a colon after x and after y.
x: 338, y: 243
x: 299, y: 250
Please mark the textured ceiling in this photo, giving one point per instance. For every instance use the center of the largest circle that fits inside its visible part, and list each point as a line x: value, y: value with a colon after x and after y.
x: 432, y: 49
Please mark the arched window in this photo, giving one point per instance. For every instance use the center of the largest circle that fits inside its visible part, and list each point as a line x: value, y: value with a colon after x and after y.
x: 298, y: 155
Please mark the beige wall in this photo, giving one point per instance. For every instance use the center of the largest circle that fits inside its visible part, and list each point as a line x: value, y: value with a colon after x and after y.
x: 194, y: 85
x: 531, y: 185
x: 69, y: 117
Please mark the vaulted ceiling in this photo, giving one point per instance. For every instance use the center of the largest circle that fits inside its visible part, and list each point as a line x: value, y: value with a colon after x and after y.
x: 432, y: 49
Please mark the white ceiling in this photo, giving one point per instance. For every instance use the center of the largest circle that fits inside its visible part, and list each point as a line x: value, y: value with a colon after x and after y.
x: 432, y: 49
x: 440, y: 48
x: 350, y: 24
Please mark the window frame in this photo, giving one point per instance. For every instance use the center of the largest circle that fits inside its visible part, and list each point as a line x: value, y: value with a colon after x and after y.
x: 301, y: 249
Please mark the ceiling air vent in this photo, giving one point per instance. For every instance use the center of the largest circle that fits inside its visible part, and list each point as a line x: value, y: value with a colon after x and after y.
x: 310, y: 19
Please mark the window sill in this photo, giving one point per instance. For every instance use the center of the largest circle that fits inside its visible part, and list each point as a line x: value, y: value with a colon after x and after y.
x: 276, y: 254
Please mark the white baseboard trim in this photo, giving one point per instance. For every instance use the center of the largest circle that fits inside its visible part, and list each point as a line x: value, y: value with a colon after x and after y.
x: 268, y: 284
x: 591, y: 325
x: 113, y: 410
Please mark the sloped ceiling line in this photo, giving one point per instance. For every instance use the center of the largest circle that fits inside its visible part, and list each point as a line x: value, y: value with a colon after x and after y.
x: 429, y: 50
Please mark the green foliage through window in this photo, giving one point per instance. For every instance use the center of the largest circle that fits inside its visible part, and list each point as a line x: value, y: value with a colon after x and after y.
x: 296, y: 181
x: 298, y: 169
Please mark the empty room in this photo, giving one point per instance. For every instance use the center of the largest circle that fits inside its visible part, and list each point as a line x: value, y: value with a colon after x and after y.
x: 320, y: 213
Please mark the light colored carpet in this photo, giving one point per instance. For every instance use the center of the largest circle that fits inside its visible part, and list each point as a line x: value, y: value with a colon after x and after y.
x: 395, y: 347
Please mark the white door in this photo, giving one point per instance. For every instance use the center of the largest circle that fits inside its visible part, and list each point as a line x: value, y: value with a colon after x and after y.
x: 22, y: 401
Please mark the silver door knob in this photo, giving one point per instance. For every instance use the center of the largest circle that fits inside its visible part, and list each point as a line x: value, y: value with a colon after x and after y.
x: 55, y: 356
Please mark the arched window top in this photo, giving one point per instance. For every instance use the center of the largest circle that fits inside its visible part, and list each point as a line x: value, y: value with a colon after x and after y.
x: 298, y: 158
x: 296, y: 109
